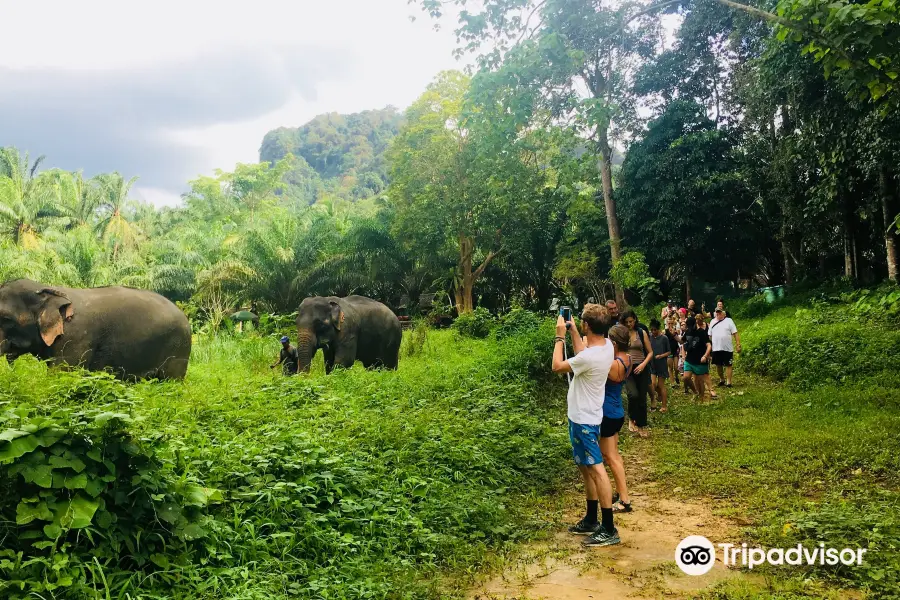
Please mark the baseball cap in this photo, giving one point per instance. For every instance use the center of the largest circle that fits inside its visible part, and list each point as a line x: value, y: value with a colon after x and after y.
x: 285, y: 339
x: 719, y: 309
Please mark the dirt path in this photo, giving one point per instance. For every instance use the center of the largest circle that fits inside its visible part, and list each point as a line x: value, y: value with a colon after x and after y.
x: 643, y: 566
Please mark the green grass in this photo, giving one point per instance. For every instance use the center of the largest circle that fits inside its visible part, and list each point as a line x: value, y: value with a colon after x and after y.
x: 357, y: 485
x: 816, y: 458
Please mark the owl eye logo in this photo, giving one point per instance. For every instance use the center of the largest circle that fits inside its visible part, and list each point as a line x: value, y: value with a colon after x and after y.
x: 695, y: 555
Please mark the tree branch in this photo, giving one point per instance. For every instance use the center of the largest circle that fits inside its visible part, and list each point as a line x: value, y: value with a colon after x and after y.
x: 528, y: 20
x: 487, y: 259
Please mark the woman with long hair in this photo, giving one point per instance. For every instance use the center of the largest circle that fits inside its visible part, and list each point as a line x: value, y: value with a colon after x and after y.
x: 637, y: 386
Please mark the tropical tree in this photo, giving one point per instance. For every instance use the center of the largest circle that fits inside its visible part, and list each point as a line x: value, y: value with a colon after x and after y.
x: 684, y: 201
x: 26, y: 199
x: 570, y: 59
x: 113, y: 224
x: 76, y: 199
x: 441, y: 188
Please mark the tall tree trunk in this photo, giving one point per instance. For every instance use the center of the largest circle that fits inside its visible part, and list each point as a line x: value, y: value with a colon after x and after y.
x: 786, y: 254
x: 889, y: 213
x: 849, y: 265
x: 464, y: 292
x: 612, y: 221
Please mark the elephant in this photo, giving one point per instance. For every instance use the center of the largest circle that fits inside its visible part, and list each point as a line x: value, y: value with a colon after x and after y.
x: 134, y: 334
x: 348, y: 329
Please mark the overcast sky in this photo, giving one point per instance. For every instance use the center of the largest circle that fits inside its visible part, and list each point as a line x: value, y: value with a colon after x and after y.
x: 168, y: 90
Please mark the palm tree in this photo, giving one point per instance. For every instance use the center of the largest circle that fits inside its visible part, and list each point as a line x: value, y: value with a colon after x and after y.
x: 114, y: 190
x: 78, y: 200
x: 26, y: 200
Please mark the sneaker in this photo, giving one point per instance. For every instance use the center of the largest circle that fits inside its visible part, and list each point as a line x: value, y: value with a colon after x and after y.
x: 721, y: 382
x: 583, y: 527
x: 602, y: 538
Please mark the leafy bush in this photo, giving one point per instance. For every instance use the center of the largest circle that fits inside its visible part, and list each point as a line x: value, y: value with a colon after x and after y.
x: 476, y: 324
x: 516, y: 321
x: 78, y: 491
x: 823, y: 344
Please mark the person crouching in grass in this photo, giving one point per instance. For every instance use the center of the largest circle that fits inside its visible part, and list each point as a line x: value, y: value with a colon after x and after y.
x: 590, y: 367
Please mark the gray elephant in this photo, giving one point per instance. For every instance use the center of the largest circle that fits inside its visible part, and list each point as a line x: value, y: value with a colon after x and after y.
x: 348, y: 329
x: 134, y: 334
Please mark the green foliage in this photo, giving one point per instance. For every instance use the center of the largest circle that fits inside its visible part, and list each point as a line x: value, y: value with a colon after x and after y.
x: 517, y: 321
x: 827, y: 339
x: 632, y: 272
x: 682, y: 198
x: 81, y: 490
x: 814, y: 462
x: 362, y: 484
x: 477, y: 324
x: 414, y: 342
x: 339, y: 154
x: 859, y: 39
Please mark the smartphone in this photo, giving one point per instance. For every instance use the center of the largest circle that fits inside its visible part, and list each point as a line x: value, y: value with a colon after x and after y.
x: 566, y: 313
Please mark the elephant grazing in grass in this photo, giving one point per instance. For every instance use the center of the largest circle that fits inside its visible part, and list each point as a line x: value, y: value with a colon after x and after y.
x: 348, y: 329
x: 135, y: 334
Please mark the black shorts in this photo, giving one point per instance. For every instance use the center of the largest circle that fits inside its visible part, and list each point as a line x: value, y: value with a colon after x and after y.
x: 610, y: 427
x: 722, y: 358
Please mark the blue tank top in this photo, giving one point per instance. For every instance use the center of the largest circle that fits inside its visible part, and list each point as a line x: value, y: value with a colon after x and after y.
x: 612, y: 402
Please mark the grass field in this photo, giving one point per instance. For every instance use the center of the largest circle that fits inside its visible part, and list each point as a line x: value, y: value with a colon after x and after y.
x: 813, y: 458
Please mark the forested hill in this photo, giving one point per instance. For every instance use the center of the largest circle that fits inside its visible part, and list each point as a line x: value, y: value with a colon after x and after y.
x: 338, y: 154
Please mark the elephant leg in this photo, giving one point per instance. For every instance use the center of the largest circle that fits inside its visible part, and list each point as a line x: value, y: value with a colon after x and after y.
x: 328, y: 353
x: 345, y: 356
x: 392, y: 356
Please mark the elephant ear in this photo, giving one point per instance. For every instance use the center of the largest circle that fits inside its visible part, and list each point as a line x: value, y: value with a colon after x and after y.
x: 337, y: 315
x: 56, y: 310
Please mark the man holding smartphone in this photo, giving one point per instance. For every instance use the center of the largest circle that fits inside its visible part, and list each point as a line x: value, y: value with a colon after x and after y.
x: 590, y: 368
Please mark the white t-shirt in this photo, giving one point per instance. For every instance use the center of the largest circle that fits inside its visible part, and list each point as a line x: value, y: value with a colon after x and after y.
x: 721, y: 332
x: 586, y: 392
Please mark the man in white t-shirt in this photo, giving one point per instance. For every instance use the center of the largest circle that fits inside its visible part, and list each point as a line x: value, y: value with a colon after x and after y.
x: 590, y: 366
x: 725, y: 340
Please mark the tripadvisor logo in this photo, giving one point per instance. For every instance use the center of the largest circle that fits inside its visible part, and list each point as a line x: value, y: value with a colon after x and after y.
x: 696, y: 555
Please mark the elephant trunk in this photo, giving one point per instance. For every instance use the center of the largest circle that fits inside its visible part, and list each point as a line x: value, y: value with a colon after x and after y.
x: 306, y: 348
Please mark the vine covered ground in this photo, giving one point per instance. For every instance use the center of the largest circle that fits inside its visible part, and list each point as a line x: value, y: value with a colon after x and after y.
x: 241, y: 484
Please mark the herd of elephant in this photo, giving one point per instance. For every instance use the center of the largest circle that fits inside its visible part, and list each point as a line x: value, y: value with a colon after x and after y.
x: 138, y: 334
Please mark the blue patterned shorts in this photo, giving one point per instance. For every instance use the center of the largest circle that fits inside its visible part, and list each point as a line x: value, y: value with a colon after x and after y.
x: 585, y: 444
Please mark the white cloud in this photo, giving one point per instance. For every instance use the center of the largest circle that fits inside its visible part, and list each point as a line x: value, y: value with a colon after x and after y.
x: 337, y: 55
